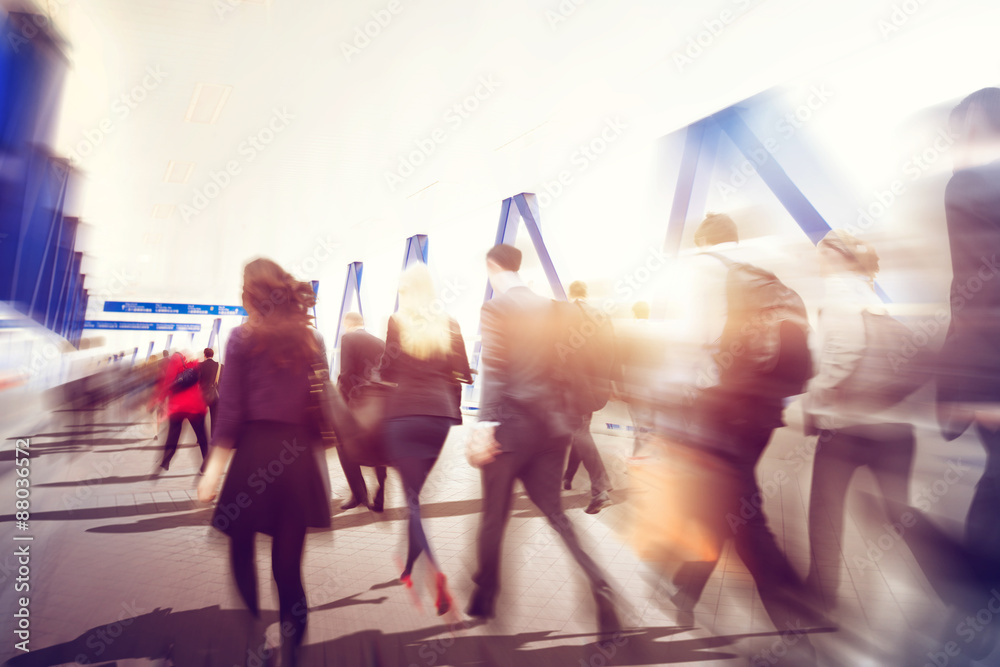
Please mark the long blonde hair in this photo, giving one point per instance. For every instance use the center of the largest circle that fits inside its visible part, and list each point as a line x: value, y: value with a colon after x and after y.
x: 424, y: 327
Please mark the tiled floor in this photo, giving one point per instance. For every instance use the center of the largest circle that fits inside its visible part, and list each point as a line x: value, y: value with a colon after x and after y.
x: 126, y: 571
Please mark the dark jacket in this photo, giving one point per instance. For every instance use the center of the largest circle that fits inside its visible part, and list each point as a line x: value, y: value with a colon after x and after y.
x: 209, y: 375
x: 254, y: 388
x: 525, y: 383
x: 427, y: 387
x: 360, y: 354
x: 970, y: 358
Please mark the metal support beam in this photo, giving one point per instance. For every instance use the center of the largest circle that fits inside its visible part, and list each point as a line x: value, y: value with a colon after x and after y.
x: 691, y: 191
x: 352, y: 289
x: 416, y: 251
x: 513, y: 210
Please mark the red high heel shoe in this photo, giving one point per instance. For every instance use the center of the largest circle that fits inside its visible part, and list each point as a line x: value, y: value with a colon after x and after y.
x: 407, y: 580
x: 443, y: 596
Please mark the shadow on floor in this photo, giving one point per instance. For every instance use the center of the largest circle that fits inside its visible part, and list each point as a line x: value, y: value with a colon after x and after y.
x: 212, y: 636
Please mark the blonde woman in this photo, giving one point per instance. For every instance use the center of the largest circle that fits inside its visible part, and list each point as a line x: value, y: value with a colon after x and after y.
x: 425, y: 357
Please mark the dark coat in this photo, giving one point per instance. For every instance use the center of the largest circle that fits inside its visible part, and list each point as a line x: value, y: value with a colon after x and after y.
x: 428, y: 387
x: 360, y: 353
x: 525, y: 358
x: 970, y: 357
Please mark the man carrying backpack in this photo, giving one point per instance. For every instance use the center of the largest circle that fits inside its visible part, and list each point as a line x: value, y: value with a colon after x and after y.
x: 595, y: 342
x: 756, y: 331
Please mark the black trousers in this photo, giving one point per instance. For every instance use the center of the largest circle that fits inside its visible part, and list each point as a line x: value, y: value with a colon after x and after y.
x: 174, y: 435
x: 887, y: 450
x: 539, y: 467
x: 416, y: 443
x: 738, y: 430
x: 582, y: 449
x: 287, y: 548
x: 212, y: 410
x: 355, y: 480
x: 982, y: 528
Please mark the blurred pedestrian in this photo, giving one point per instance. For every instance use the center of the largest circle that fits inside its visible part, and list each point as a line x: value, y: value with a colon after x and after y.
x: 595, y: 336
x: 360, y: 355
x: 527, y: 415
x: 208, y: 379
x: 425, y: 359
x: 179, y: 389
x: 277, y: 483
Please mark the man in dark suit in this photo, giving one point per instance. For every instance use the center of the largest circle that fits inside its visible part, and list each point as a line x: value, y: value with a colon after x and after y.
x: 968, y: 384
x: 594, y: 338
x: 209, y: 374
x: 525, y: 424
x: 360, y: 354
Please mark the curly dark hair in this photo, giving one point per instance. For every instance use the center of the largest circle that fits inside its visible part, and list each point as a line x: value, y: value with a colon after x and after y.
x: 280, y: 323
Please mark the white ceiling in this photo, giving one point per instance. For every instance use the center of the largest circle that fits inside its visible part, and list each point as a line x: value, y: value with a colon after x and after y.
x: 562, y: 69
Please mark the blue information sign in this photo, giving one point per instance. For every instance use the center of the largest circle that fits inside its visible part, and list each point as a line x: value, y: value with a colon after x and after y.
x: 171, y: 308
x: 140, y: 326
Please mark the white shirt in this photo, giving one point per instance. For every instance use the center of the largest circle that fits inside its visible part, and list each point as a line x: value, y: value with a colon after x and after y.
x: 842, y: 343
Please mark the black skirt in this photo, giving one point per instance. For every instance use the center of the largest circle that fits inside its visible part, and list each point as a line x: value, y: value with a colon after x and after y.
x: 278, y: 475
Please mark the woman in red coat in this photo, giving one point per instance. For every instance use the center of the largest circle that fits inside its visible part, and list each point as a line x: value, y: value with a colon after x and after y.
x: 182, y: 403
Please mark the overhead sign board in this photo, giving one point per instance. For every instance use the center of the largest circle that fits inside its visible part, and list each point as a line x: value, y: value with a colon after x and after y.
x: 172, y: 308
x: 140, y: 326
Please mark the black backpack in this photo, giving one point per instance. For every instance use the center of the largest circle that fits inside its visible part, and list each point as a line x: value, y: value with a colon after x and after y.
x: 764, y: 349
x: 585, y: 354
x: 187, y: 378
x: 596, y: 336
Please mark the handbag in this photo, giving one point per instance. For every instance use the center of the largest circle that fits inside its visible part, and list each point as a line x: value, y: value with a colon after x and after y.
x: 891, y: 368
x: 354, y: 427
x: 366, y: 408
x: 321, y: 410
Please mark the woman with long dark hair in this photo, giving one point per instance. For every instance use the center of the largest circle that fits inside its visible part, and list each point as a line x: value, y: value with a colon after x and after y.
x: 277, y: 483
x: 425, y: 357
